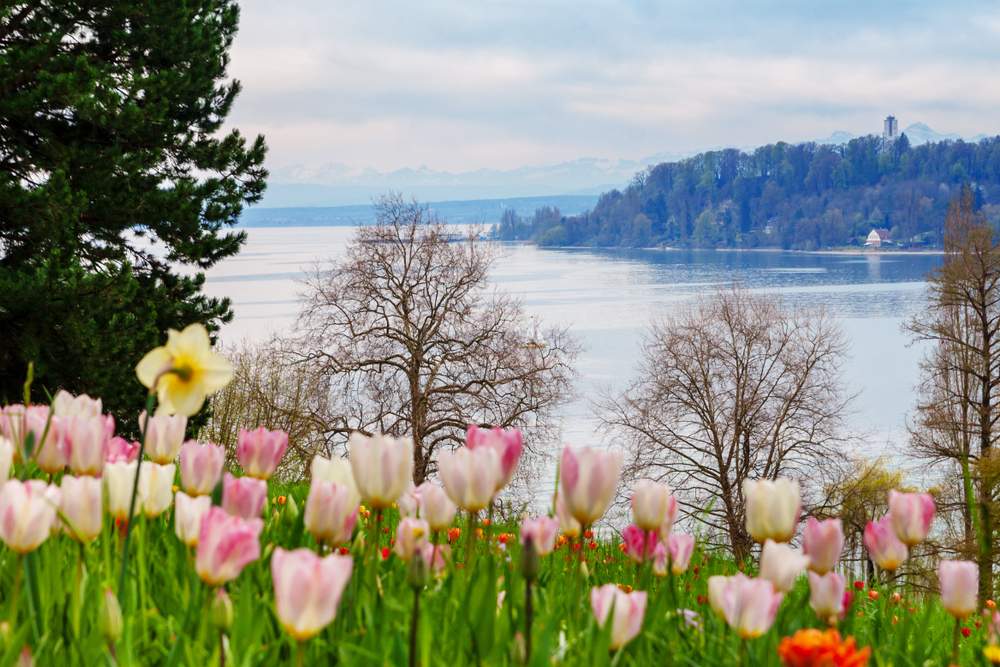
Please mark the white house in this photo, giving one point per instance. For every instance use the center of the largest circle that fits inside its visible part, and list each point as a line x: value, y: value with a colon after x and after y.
x: 877, y: 237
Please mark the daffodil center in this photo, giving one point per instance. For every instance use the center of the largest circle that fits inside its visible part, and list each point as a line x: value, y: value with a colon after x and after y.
x: 183, y: 370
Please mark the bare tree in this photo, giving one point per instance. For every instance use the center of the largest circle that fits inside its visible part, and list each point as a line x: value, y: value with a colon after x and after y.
x: 958, y: 411
x: 733, y: 386
x: 268, y: 391
x: 413, y: 339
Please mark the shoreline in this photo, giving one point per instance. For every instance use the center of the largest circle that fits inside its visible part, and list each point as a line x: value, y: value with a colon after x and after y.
x: 847, y: 251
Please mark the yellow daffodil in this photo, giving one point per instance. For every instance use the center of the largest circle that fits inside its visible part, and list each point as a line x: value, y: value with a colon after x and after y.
x: 184, y: 371
x: 992, y: 654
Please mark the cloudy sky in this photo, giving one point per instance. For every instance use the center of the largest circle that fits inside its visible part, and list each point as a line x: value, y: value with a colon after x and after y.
x: 500, y: 84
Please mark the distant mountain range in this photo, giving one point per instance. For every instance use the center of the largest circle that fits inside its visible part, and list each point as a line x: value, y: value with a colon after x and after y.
x: 336, y: 184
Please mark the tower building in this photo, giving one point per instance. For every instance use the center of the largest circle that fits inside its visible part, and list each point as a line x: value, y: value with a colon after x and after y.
x: 891, y: 131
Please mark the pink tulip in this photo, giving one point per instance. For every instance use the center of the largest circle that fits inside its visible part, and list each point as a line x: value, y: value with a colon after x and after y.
x: 959, y: 581
x: 27, y: 513
x: 650, y: 502
x: 164, y: 436
x: 669, y: 518
x: 52, y: 454
x: 781, y: 565
x: 992, y: 620
x: 82, y: 504
x: 435, y: 506
x: 226, y: 544
x: 542, y: 531
x: 436, y: 556
x: 639, y: 543
x: 7, y: 451
x: 588, y: 479
x: 506, y: 443
x: 749, y: 606
x: 823, y: 542
x: 259, y: 451
x: 243, y: 496
x: 308, y: 589
x: 408, y: 504
x: 883, y: 546
x: 772, y: 509
x: 469, y: 476
x: 382, y: 467
x: 411, y: 536
x: 88, y: 443
x: 911, y: 516
x: 681, y: 547
x: 119, y: 451
x: 629, y: 610
x: 330, y: 513
x: 188, y: 513
x: 826, y: 595
x: 201, y: 467
x: 569, y: 526
x: 65, y: 404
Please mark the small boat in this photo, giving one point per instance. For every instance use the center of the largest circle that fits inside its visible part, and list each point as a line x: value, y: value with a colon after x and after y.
x: 535, y: 338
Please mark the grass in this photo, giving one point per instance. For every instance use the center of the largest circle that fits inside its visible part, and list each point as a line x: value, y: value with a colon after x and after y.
x: 167, y: 619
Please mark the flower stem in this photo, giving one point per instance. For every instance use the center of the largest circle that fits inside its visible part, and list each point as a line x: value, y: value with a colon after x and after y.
x: 528, y: 613
x: 301, y: 653
x: 470, y: 542
x: 954, y: 642
x: 150, y: 401
x: 17, y: 591
x: 413, y: 627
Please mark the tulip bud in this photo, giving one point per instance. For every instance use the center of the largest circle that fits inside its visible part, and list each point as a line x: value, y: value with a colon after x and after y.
x: 531, y: 565
x: 5, y: 634
x: 26, y: 659
x: 110, y: 617
x: 416, y: 571
x: 291, y: 511
x: 222, y: 610
x: 584, y: 571
x: 518, y: 650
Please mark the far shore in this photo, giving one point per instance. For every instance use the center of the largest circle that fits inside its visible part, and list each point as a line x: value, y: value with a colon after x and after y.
x: 844, y: 251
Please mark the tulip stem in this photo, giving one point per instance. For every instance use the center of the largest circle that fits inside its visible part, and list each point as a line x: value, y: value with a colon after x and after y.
x: 150, y: 401
x: 301, y: 653
x: 470, y: 541
x: 413, y: 627
x: 528, y: 613
x: 17, y: 591
x: 954, y: 642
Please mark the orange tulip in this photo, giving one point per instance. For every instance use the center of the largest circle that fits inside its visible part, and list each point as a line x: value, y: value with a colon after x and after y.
x: 815, y: 648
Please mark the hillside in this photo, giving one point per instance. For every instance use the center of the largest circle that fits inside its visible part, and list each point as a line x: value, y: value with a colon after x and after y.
x: 804, y: 196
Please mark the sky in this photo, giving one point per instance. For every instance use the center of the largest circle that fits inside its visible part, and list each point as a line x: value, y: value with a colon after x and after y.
x: 500, y: 84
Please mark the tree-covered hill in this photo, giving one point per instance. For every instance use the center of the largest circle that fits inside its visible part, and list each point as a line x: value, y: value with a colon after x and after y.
x: 802, y: 197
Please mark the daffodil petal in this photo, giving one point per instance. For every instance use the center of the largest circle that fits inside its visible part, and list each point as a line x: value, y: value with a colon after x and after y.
x: 187, y: 397
x: 216, y: 372
x: 152, y: 365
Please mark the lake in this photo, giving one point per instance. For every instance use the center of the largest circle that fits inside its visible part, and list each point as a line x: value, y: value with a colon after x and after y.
x: 609, y: 295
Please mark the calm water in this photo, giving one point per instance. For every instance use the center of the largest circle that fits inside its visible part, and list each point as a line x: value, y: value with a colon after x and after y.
x: 609, y: 296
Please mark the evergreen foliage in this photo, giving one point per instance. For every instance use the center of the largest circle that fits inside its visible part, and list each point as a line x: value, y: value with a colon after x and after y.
x: 116, y: 185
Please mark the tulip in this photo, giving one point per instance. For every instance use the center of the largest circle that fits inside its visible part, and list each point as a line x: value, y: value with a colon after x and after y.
x: 506, y: 443
x: 16, y: 423
x: 542, y: 532
x: 650, y: 502
x: 569, y: 526
x: 408, y: 504
x: 959, y: 581
x: 184, y: 371
x: 109, y: 617
x: 88, y: 443
x: 382, y: 467
x: 27, y: 513
x: 222, y: 611
x: 772, y: 509
x: 307, y: 589
x: 639, y: 543
x: 120, y: 479
x: 259, y: 451
x: 469, y: 476
x: 226, y: 544
x: 436, y: 556
x: 330, y: 515
x: 435, y: 506
x: 629, y: 609
x: 681, y: 547
x: 781, y: 565
x: 82, y: 499
x: 749, y: 606
x: 66, y: 404
x: 164, y: 436
x: 411, y: 536
x: 588, y: 479
x: 201, y: 467
x: 669, y: 518
x: 119, y: 451
x: 155, y: 488
x: 6, y: 458
x: 243, y: 496
x: 336, y: 470
x: 911, y: 516
x: 826, y: 595
x: 823, y: 542
x: 883, y: 546
x: 188, y: 513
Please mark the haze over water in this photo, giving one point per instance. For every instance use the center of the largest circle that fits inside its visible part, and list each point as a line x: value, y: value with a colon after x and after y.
x: 610, y: 295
